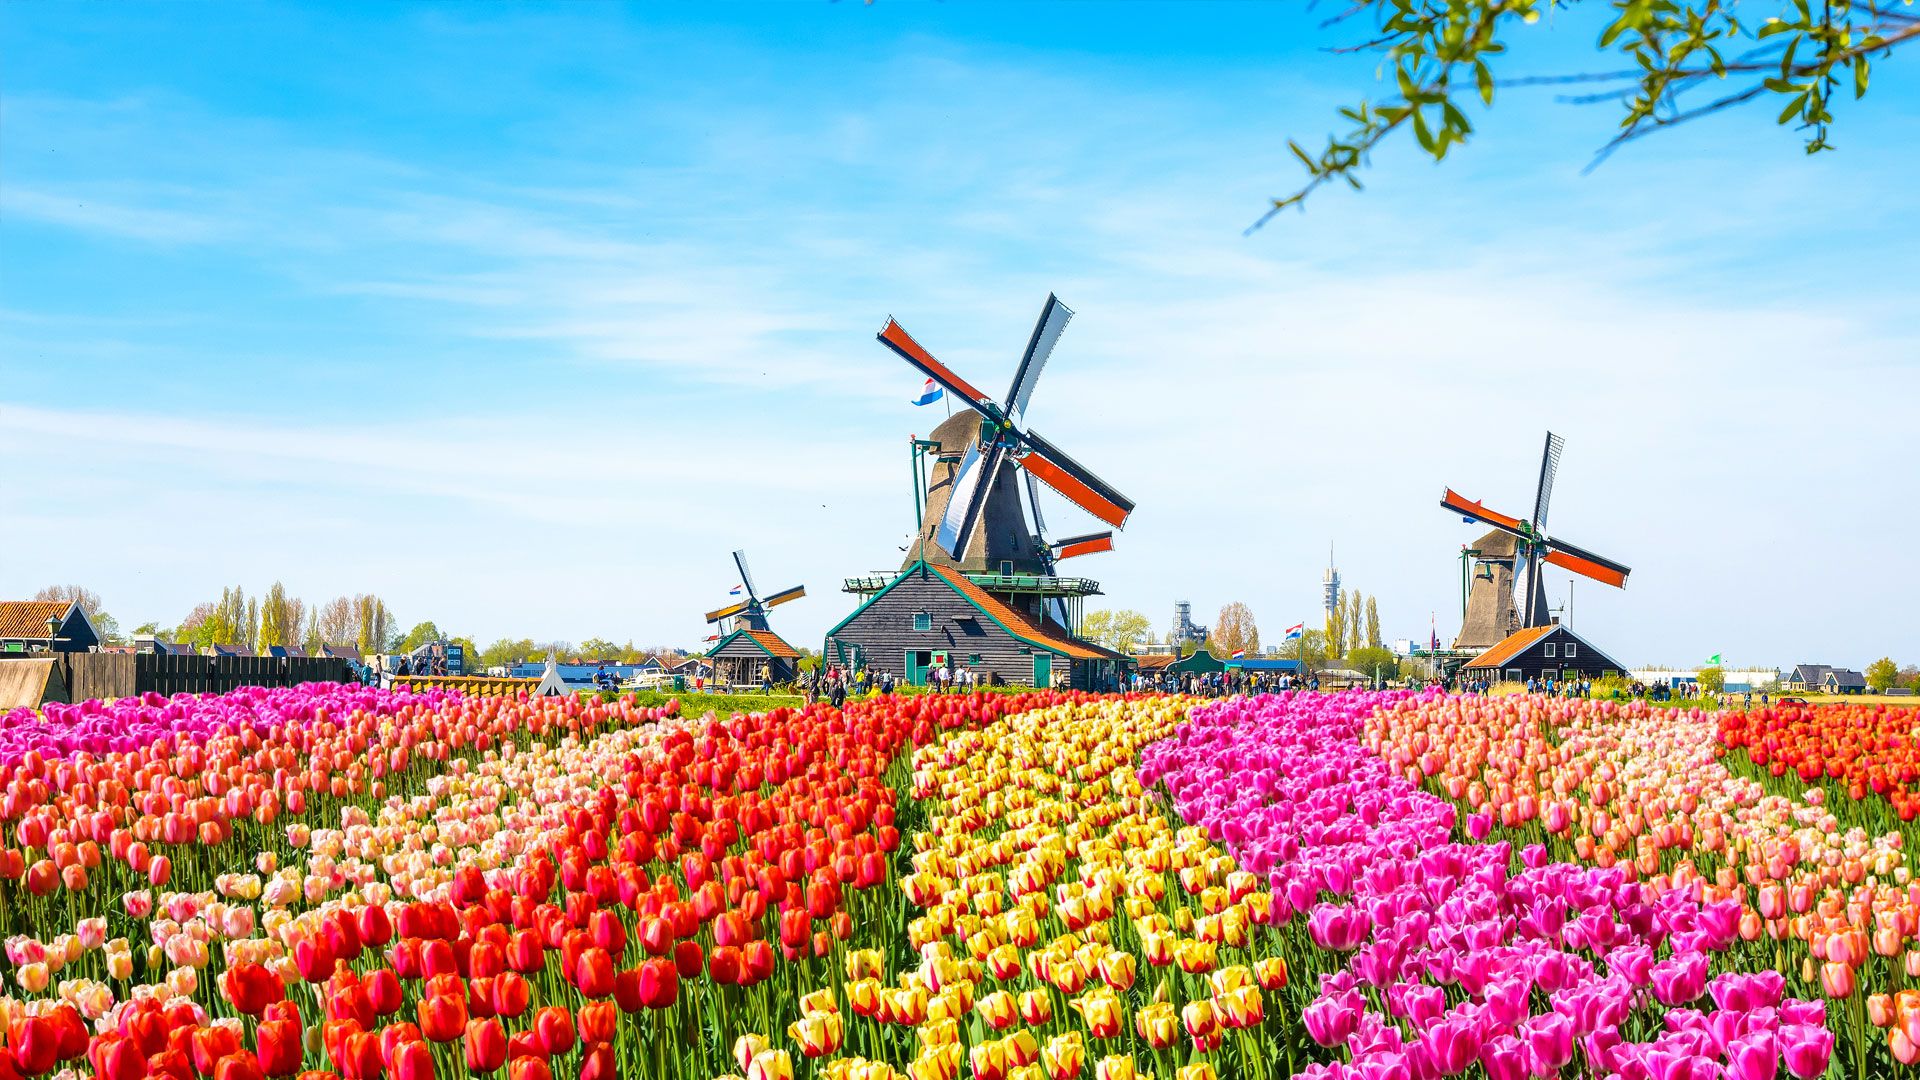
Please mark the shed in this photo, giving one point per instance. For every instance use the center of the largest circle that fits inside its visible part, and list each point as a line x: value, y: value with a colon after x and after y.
x: 931, y: 615
x: 750, y: 657
x: 1547, y: 653
x: 23, y: 627
x: 1201, y: 662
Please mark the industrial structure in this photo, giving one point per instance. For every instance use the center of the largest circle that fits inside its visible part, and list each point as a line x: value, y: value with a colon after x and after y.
x: 980, y: 588
x: 1184, y: 629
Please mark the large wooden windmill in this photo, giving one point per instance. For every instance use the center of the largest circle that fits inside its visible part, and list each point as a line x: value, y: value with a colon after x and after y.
x: 749, y: 612
x: 1507, y: 593
x: 974, y: 514
x: 979, y: 596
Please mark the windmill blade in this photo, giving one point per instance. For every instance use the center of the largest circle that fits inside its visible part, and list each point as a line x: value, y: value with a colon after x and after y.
x: 1587, y: 564
x: 1467, y: 508
x: 740, y: 560
x: 1089, y: 544
x: 1549, y: 465
x: 784, y: 595
x: 968, y: 498
x: 1073, y: 480
x: 1046, y: 334
x: 897, y: 339
x: 1033, y: 503
x: 1526, y: 585
x: 727, y: 612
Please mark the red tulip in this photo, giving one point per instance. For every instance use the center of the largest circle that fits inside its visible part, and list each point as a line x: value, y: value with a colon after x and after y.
x: 486, y: 1045
x: 412, y: 1061
x: 383, y: 991
x: 626, y: 990
x: 239, y: 1065
x: 511, y: 995
x: 598, y: 1063
x: 724, y: 965
x: 659, y: 984
x: 757, y: 956
x: 554, y: 1026
x: 209, y: 1045
x: 529, y: 1068
x: 277, y: 1045
x: 593, y: 973
x: 443, y: 1017
x: 252, y: 987
x: 687, y: 959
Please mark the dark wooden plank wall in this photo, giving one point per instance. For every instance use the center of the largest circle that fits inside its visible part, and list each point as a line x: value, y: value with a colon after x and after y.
x: 885, y: 632
x: 117, y: 675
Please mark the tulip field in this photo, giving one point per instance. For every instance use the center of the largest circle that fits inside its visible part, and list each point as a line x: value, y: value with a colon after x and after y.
x: 347, y: 883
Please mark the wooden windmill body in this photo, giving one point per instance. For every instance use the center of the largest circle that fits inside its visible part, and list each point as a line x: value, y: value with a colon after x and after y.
x: 1507, y: 594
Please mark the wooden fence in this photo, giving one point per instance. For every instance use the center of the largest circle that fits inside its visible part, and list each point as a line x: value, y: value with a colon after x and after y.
x: 117, y: 675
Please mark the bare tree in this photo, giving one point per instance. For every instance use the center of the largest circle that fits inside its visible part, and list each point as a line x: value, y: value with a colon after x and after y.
x: 1234, y: 630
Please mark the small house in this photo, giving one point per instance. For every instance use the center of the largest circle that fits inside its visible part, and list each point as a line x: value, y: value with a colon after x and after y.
x: 45, y: 626
x: 933, y: 616
x: 752, y: 657
x: 1550, y: 653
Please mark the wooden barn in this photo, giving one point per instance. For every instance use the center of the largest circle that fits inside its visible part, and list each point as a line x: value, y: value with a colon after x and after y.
x: 931, y: 616
x: 1541, y: 652
x: 749, y: 657
x: 45, y: 626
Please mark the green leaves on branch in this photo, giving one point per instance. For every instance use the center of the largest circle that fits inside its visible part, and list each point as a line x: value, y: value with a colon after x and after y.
x: 1804, y: 56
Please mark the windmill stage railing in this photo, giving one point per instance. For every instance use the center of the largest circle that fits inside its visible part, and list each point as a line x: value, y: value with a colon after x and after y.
x: 1034, y: 584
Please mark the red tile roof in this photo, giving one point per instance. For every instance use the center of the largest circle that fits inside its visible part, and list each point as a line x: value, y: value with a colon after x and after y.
x: 1048, y: 636
x: 1156, y: 661
x: 1512, y: 647
x: 771, y: 642
x: 28, y: 618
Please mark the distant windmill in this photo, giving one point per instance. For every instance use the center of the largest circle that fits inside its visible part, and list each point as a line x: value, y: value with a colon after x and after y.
x: 975, y: 502
x: 751, y: 612
x: 1515, y: 549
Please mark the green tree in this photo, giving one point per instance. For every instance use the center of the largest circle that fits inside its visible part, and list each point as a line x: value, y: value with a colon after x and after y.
x: 1373, y: 623
x: 280, y: 617
x: 1336, y: 631
x: 421, y: 634
x: 1665, y: 63
x: 599, y: 649
x: 1881, y: 674
x: 1711, y: 680
x: 1310, y: 648
x: 1372, y: 660
x: 1120, y: 630
x: 1356, y: 628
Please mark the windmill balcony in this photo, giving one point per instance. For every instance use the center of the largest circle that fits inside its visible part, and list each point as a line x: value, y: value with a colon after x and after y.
x: 1030, y: 584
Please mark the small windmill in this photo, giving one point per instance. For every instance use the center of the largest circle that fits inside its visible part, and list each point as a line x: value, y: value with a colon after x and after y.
x: 1532, y: 546
x: 750, y: 613
x: 976, y: 502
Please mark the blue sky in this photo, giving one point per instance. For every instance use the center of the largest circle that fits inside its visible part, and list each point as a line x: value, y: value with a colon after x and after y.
x: 523, y: 317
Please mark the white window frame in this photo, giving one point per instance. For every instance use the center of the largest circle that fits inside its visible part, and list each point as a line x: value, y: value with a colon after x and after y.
x: 1573, y: 650
x: 1549, y: 653
x: 922, y: 622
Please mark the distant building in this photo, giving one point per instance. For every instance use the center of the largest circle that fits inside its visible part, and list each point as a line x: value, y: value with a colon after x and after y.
x: 282, y: 652
x: 1550, y: 652
x: 227, y: 650
x: 23, y: 627
x: 1821, y: 679
x: 1738, y: 680
x: 1330, y: 587
x: 749, y: 657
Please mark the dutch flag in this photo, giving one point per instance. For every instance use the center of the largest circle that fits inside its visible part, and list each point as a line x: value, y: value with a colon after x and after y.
x: 929, y: 394
x: 1239, y: 653
x: 736, y: 590
x: 1295, y: 630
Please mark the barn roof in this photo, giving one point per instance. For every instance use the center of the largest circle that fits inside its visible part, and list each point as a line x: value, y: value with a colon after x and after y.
x: 1045, y: 635
x: 1513, y: 646
x: 27, y: 619
x: 1156, y: 661
x: 765, y: 640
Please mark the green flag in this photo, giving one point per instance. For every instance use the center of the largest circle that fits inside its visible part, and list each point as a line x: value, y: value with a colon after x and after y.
x: 1714, y: 660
